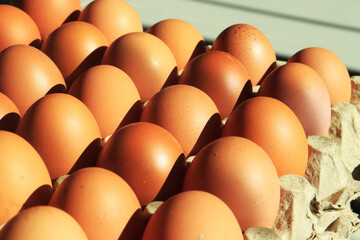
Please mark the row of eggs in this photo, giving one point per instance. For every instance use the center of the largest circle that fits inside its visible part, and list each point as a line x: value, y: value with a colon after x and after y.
x: 162, y: 96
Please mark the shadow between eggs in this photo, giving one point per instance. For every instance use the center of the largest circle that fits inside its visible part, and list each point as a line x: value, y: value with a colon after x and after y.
x: 36, y: 43
x: 246, y: 93
x: 272, y: 67
x: 172, y: 185
x: 210, y: 132
x: 199, y: 49
x: 9, y: 122
x: 172, y: 78
x: 174, y: 181
x: 58, y: 88
x: 93, y: 59
x: 89, y: 156
x: 174, y: 74
x: 41, y: 196
x: 135, y: 227
x: 133, y: 115
x: 74, y: 16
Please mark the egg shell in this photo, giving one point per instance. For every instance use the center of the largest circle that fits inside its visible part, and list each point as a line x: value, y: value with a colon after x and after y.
x: 49, y: 14
x: 110, y: 95
x: 17, y: 27
x: 9, y: 114
x: 75, y: 47
x: 33, y: 76
x: 251, y: 47
x: 272, y: 125
x: 187, y: 113
x: 193, y: 215
x: 24, y: 178
x: 40, y: 223
x: 184, y: 40
x: 113, y: 17
x: 303, y: 90
x: 102, y: 203
x: 64, y: 132
x: 148, y: 158
x: 146, y: 59
x: 221, y: 76
x: 240, y: 173
x: 331, y: 69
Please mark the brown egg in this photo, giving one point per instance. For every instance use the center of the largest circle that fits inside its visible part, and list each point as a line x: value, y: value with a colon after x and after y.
x: 303, y: 90
x: 42, y: 223
x: 275, y: 128
x: 146, y: 59
x: 75, y: 47
x: 102, y: 203
x: 9, y: 114
x: 110, y: 95
x: 113, y: 17
x: 331, y: 69
x: 251, y: 47
x: 187, y: 113
x: 17, y: 27
x: 221, y: 76
x: 148, y: 158
x: 27, y: 74
x: 24, y: 179
x: 64, y: 132
x: 184, y: 40
x: 193, y: 215
x: 240, y: 173
x: 49, y: 14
